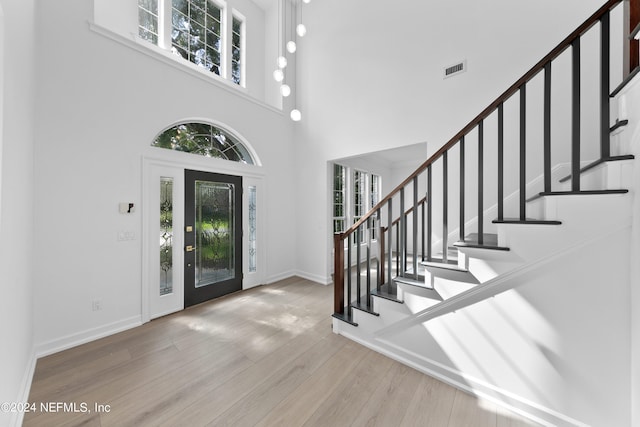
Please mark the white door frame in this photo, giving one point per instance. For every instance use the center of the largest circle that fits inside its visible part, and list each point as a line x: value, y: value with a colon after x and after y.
x: 153, y: 305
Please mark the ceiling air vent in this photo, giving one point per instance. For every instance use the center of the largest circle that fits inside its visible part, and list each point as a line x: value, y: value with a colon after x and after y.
x: 454, y: 70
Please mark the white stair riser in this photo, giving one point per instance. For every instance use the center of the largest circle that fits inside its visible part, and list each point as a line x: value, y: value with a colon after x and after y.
x: 607, y: 176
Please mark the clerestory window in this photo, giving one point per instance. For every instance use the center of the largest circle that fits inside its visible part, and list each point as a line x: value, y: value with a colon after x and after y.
x: 198, y: 31
x: 148, y: 20
x: 205, y: 140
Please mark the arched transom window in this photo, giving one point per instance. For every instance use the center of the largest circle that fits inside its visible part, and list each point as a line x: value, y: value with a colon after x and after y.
x: 204, y: 139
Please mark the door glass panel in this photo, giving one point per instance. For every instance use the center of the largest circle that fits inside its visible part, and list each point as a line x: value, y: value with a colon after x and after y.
x: 253, y: 254
x: 215, y: 232
x: 166, y: 235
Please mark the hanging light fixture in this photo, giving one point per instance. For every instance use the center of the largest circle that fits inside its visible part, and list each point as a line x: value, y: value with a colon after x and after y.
x: 301, y: 29
x: 285, y: 90
x: 291, y: 44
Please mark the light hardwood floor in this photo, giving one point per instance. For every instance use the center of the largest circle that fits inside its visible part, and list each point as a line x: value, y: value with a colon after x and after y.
x: 262, y: 357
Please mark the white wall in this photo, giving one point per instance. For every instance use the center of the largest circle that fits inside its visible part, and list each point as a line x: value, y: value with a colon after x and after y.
x: 370, y: 78
x: 101, y: 103
x: 121, y: 17
x: 629, y: 99
x: 523, y: 347
x: 16, y: 192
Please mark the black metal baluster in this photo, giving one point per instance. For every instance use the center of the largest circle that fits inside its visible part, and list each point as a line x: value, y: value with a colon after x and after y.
x: 481, y: 182
x: 429, y: 213
x: 377, y: 229
x: 501, y: 161
x: 398, y: 249
x: 605, y: 136
x: 358, y: 271
x: 403, y: 235
x: 422, y: 228
x: 415, y: 228
x: 462, y: 188
x: 445, y: 208
x: 575, y: 116
x: 547, y: 127
x: 368, y: 234
x: 523, y: 152
x: 349, y: 280
x: 389, y: 241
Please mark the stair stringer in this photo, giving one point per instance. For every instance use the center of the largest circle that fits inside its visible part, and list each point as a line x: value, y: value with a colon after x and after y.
x: 488, y: 363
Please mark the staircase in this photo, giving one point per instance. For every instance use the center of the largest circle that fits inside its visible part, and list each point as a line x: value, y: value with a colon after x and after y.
x: 502, y: 263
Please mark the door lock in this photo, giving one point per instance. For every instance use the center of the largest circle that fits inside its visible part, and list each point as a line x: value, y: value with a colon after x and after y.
x: 189, y: 248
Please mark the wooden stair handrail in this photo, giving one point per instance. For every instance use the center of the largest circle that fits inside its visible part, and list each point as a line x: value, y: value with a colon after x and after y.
x: 561, y: 47
x: 407, y: 212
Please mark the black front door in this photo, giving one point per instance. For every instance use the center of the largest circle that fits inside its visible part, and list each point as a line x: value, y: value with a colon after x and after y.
x: 213, y: 236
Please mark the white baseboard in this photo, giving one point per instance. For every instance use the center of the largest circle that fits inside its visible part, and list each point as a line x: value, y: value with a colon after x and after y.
x: 25, y: 389
x: 514, y: 403
x: 302, y: 274
x: 323, y: 280
x: 281, y: 276
x: 83, y: 337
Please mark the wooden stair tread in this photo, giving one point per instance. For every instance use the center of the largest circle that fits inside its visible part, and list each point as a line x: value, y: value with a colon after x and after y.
x: 362, y: 306
x: 438, y: 259
x: 618, y: 124
x: 446, y: 266
x: 487, y: 237
x: 528, y: 221
x: 576, y: 193
x: 383, y: 293
x: 625, y: 82
x: 471, y: 240
x: 583, y: 192
x: 347, y: 317
x: 411, y: 281
x: 600, y: 162
x: 476, y: 245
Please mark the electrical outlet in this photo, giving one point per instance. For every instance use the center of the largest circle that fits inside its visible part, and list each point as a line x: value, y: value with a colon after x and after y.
x: 96, y: 305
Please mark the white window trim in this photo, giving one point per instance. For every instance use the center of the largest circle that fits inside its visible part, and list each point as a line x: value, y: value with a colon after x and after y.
x: 349, y: 193
x: 364, y: 185
x: 172, y: 164
x: 345, y: 201
x: 243, y: 47
x: 164, y: 39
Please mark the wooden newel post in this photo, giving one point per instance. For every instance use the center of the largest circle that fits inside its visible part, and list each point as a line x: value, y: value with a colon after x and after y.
x: 338, y: 273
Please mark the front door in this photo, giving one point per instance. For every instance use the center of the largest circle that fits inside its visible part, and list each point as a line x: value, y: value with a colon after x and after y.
x: 213, y: 236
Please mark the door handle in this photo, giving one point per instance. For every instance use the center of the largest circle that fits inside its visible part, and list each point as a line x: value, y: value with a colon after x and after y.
x: 189, y: 248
